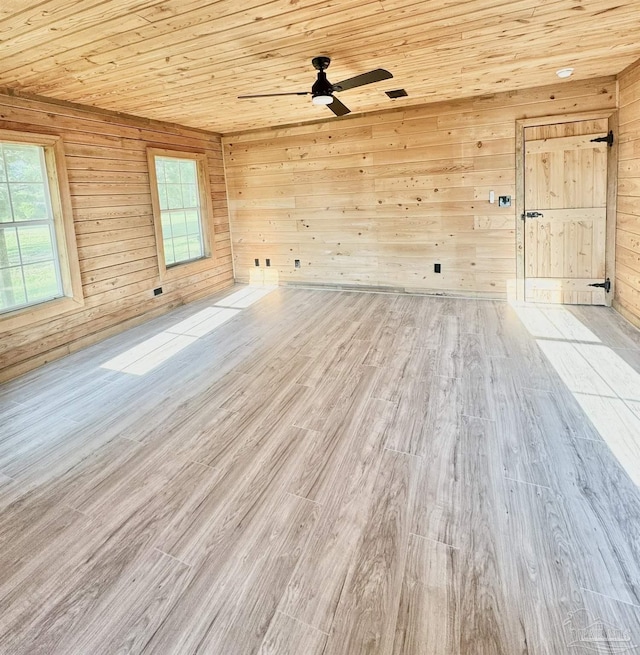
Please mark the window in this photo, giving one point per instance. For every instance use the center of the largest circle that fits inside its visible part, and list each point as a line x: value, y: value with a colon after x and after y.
x: 180, y: 212
x: 181, y: 202
x: 36, y: 226
x: 29, y: 267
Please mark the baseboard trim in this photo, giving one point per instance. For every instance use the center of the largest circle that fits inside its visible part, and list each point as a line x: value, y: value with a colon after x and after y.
x: 365, y: 288
x: 626, y: 314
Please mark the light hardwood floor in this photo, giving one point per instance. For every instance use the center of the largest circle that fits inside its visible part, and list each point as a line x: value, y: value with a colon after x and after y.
x: 328, y: 473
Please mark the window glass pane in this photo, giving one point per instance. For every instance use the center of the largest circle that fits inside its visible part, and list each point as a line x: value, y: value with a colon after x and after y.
x: 188, y: 172
x: 169, y: 257
x: 172, y: 171
x: 195, y: 247
x: 181, y: 249
x: 23, y: 163
x: 35, y: 243
x: 189, y: 195
x: 11, y: 288
x: 3, y: 174
x: 178, y: 224
x: 193, y: 222
x: 160, y: 170
x: 5, y: 205
x: 174, y: 196
x: 166, y: 225
x: 41, y: 281
x: 28, y: 201
x: 162, y: 196
x: 9, y: 250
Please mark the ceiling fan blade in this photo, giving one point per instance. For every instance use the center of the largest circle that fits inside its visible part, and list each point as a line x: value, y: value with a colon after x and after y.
x: 338, y: 108
x: 273, y: 95
x: 376, y: 75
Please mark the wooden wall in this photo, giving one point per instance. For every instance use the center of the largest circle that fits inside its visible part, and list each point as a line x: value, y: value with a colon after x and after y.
x: 627, y: 299
x: 109, y: 183
x: 377, y: 200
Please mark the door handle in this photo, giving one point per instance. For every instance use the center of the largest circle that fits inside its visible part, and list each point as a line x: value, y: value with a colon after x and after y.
x: 532, y: 215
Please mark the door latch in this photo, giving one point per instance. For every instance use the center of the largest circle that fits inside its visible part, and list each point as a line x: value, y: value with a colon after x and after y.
x: 608, y: 139
x: 606, y: 285
x: 532, y: 215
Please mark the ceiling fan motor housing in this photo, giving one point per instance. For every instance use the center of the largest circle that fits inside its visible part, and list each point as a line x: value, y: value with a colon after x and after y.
x: 322, y: 86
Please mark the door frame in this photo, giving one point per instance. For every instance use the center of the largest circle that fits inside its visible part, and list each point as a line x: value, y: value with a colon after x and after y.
x: 612, y: 192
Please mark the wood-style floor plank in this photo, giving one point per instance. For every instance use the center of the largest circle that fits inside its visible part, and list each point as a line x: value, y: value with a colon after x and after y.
x: 136, y: 607
x: 286, y: 636
x: 232, y: 594
x: 328, y: 473
x: 315, y: 587
x: 365, y: 616
x: 428, y: 613
x: 484, y: 549
x: 440, y: 477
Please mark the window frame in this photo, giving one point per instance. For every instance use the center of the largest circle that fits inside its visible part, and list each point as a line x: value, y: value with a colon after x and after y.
x: 180, y: 269
x: 67, y: 250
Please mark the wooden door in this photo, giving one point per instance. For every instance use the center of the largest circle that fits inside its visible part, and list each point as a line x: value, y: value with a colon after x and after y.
x: 566, y: 184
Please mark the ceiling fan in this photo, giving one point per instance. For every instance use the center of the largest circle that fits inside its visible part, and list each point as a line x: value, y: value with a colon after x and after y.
x: 322, y: 91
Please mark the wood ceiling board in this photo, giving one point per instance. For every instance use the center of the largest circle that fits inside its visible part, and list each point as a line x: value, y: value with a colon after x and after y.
x: 138, y: 55
x: 369, y: 28
x: 263, y: 68
x: 185, y: 62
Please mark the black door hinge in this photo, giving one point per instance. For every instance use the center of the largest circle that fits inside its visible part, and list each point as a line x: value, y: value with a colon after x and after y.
x: 606, y: 285
x: 605, y: 139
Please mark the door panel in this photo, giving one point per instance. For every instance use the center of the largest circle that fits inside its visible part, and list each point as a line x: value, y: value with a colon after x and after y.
x: 566, y: 184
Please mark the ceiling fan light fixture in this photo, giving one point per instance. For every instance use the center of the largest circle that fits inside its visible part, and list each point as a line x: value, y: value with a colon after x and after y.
x: 563, y: 73
x: 322, y: 100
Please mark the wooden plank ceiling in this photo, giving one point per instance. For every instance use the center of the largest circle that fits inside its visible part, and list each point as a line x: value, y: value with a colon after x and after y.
x: 185, y: 61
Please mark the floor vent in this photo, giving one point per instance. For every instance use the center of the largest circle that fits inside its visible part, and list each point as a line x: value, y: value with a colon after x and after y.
x: 398, y: 93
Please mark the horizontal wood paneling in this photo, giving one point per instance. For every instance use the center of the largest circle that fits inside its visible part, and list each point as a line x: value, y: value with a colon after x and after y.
x: 378, y: 200
x: 627, y: 288
x: 113, y: 221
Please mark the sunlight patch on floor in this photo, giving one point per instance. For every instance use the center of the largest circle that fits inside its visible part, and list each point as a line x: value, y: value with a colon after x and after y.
x: 157, y: 349
x: 554, y: 323
x: 605, y: 386
x: 245, y: 297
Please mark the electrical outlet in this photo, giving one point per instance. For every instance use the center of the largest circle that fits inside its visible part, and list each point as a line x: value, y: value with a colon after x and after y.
x: 436, y: 268
x: 257, y: 262
x: 267, y: 262
x: 504, y: 201
x: 157, y: 292
x: 297, y: 263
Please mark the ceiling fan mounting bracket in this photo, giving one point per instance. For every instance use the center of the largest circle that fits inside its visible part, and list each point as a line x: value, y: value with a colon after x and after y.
x: 321, y: 63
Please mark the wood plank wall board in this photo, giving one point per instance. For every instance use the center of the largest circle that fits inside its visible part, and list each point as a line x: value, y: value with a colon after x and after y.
x: 109, y: 185
x: 627, y: 288
x: 377, y: 200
